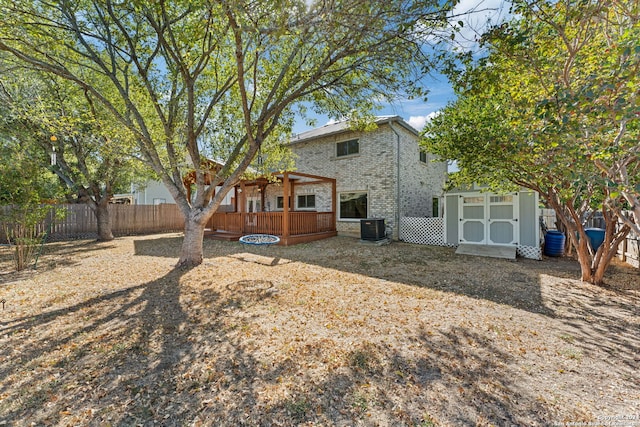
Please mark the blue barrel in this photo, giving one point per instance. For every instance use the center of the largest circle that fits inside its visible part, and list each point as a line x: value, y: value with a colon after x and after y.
x: 554, y: 243
x: 596, y: 237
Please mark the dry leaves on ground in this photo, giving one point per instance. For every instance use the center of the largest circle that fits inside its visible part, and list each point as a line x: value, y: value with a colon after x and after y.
x: 327, y: 333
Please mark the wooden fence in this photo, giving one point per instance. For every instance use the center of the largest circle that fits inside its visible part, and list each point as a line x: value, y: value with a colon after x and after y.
x: 629, y: 249
x: 79, y: 222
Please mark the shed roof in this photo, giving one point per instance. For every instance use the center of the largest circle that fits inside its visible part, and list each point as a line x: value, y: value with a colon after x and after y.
x: 343, y: 126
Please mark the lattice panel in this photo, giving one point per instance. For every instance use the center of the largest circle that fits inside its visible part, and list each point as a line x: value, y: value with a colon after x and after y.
x: 430, y: 231
x: 424, y: 231
x: 529, y: 252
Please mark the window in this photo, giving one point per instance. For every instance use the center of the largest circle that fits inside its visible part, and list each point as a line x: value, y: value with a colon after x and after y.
x: 353, y: 205
x: 280, y: 202
x: 307, y: 201
x: 423, y: 157
x: 501, y: 199
x: 435, y: 207
x: 347, y: 148
x: 477, y: 200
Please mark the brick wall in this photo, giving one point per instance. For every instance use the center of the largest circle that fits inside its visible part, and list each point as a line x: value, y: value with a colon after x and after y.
x: 420, y: 182
x: 374, y: 171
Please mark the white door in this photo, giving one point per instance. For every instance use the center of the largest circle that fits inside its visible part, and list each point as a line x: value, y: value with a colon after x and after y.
x: 488, y: 219
x: 253, y: 206
x: 502, y: 219
x: 473, y: 224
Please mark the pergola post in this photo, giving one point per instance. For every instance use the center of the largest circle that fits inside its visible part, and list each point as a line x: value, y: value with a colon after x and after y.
x: 243, y: 216
x: 333, y: 199
x: 285, y: 206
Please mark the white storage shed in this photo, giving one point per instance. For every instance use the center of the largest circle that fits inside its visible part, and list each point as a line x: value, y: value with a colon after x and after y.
x: 477, y: 217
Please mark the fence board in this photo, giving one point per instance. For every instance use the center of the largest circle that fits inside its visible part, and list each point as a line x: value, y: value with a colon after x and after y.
x: 628, y: 250
x: 79, y: 222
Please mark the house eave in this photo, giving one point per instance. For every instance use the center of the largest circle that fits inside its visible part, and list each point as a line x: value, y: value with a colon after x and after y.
x: 342, y: 127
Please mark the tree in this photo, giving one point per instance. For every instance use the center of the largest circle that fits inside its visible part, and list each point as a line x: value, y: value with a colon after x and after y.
x: 91, y: 155
x: 553, y: 108
x: 219, y: 77
x: 23, y: 185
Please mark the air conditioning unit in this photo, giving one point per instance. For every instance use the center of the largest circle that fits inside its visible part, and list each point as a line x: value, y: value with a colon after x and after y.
x: 372, y: 229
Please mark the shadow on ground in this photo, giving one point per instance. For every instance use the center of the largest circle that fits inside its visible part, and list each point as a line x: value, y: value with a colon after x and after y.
x: 163, y: 353
x: 192, y: 352
x: 496, y: 280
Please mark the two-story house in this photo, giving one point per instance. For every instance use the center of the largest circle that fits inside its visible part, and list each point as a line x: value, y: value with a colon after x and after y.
x: 379, y: 174
x: 341, y: 177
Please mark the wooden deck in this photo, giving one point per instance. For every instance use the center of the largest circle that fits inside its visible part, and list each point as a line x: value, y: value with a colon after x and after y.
x: 302, y: 226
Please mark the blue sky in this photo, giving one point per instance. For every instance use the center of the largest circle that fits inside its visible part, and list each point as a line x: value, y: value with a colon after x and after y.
x: 415, y: 112
x: 476, y: 14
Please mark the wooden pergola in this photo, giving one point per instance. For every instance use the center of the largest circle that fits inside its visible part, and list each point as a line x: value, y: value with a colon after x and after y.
x: 292, y: 226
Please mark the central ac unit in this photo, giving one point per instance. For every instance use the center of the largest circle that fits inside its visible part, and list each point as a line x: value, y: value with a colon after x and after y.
x: 372, y: 229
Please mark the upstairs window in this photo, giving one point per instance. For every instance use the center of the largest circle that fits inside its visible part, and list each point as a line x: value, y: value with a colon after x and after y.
x: 347, y: 148
x: 423, y: 157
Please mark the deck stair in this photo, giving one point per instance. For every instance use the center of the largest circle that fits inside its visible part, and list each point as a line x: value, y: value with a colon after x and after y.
x: 493, y: 251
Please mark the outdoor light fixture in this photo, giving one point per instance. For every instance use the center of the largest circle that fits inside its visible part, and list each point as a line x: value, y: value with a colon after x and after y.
x: 53, y: 150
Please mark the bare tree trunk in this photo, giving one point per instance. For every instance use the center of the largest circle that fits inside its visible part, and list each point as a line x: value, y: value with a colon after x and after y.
x: 593, y: 263
x: 101, y: 211
x: 584, y: 259
x: 191, y: 252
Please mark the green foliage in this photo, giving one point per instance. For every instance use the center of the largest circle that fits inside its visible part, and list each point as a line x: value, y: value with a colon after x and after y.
x: 223, y: 79
x: 553, y: 107
x: 20, y: 209
x: 93, y: 154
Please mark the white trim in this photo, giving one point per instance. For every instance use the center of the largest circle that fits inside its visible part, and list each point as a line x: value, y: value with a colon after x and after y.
x: 486, y: 220
x: 313, y: 208
x: 339, y: 218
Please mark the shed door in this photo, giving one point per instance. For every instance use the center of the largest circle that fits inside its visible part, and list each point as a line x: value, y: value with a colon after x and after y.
x: 488, y: 219
x: 473, y: 224
x: 502, y: 219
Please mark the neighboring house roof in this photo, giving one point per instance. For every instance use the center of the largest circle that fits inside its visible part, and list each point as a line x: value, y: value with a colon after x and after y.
x: 343, y: 126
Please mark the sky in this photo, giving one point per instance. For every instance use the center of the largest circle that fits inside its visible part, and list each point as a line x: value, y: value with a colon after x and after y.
x: 475, y: 14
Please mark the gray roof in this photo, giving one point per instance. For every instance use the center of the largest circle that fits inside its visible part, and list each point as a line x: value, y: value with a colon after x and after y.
x: 343, y: 126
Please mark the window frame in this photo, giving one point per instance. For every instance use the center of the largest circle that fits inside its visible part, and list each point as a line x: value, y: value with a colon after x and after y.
x: 435, y: 207
x: 348, y: 153
x: 352, y: 219
x: 421, y: 155
x: 305, y: 197
x: 280, y: 206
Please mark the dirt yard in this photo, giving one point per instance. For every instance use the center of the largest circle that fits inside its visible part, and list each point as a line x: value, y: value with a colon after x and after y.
x: 331, y: 333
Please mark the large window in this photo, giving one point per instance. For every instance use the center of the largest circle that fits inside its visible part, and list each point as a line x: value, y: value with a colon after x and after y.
x: 307, y: 201
x: 353, y: 205
x: 347, y: 148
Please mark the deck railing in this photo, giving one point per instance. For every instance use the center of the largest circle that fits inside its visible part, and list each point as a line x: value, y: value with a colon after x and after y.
x: 271, y: 222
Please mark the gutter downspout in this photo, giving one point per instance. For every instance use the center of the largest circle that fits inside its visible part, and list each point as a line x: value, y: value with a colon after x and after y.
x: 398, y: 187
